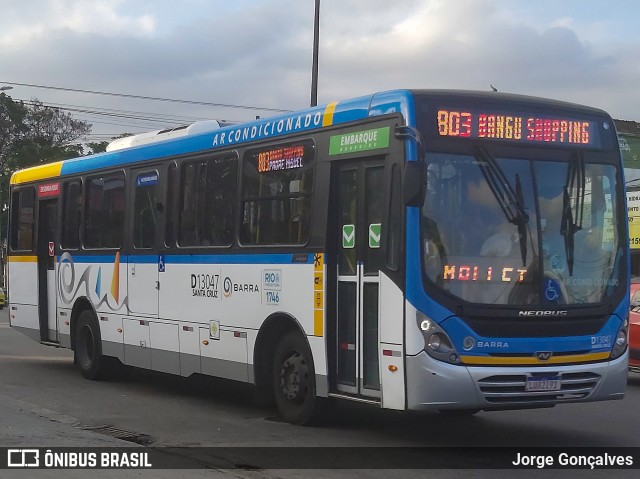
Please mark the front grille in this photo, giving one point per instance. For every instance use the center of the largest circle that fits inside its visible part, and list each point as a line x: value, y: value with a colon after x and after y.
x: 505, y: 390
x: 535, y: 327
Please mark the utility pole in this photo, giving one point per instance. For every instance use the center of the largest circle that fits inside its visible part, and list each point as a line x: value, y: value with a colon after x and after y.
x: 3, y: 240
x: 314, y: 68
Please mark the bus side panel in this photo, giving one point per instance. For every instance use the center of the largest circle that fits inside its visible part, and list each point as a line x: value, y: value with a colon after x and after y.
x: 319, y: 351
x: 23, y: 271
x: 101, y: 279
x: 190, y: 290
x: 391, y: 307
x: 231, y: 295
x: 137, y: 350
x: 189, y: 340
x: 64, y: 327
x: 225, y: 357
x: 165, y: 347
x: 23, y: 296
x: 111, y: 333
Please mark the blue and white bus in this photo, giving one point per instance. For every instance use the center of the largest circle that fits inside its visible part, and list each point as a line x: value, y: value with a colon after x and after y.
x: 417, y: 250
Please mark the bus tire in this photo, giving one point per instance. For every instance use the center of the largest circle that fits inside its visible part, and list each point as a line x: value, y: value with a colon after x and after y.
x: 294, y: 382
x: 87, y: 353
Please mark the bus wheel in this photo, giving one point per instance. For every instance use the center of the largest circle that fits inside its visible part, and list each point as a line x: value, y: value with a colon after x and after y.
x: 88, y: 347
x: 294, y: 382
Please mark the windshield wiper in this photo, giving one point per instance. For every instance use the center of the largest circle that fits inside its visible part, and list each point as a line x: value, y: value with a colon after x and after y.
x: 511, y: 202
x: 572, y: 222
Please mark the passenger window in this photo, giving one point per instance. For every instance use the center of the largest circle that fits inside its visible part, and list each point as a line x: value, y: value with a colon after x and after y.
x: 104, y: 212
x: 23, y: 219
x: 71, y: 214
x: 276, y: 194
x: 144, y: 210
x: 208, y: 197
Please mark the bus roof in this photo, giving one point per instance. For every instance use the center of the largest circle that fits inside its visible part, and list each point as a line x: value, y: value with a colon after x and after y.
x: 203, y: 136
x: 305, y: 120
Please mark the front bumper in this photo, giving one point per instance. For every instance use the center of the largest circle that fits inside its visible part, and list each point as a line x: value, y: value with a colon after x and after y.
x: 432, y: 384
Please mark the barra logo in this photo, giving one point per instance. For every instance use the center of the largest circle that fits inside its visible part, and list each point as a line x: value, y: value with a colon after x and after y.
x: 23, y: 458
x: 229, y: 287
x: 469, y: 343
x: 493, y: 344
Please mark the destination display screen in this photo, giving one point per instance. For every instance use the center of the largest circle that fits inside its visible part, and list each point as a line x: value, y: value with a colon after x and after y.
x: 484, y: 273
x: 517, y: 127
x: 276, y: 159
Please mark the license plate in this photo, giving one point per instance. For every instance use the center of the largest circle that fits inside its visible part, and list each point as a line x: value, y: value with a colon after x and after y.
x: 543, y: 384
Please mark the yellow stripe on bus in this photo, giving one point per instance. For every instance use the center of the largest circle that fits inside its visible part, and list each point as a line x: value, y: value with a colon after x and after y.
x: 530, y: 360
x: 36, y: 173
x: 22, y: 259
x: 327, y: 119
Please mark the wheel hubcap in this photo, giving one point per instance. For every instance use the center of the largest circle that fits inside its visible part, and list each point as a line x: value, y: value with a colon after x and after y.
x: 293, y: 378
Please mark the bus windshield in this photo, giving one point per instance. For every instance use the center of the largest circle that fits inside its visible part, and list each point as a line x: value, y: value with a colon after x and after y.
x: 514, y: 231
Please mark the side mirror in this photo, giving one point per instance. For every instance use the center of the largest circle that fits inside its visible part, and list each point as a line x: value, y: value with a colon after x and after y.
x: 413, y: 183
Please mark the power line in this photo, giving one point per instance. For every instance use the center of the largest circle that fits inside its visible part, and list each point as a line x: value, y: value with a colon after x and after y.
x: 115, y: 113
x: 131, y: 120
x: 141, y: 97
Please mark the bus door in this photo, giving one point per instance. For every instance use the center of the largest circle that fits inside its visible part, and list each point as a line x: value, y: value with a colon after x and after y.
x: 47, y: 214
x: 357, y: 236
x: 144, y: 262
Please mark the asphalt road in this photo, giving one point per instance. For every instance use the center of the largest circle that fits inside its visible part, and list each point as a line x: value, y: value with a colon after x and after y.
x: 45, y: 402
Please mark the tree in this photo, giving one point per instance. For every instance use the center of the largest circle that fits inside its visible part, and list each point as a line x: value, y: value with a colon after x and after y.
x: 99, y: 147
x: 33, y: 134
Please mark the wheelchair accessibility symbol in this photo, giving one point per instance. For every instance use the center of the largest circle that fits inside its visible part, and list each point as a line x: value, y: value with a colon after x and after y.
x: 551, y: 290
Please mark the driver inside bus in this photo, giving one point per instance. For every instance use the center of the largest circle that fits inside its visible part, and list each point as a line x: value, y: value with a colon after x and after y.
x: 488, y: 226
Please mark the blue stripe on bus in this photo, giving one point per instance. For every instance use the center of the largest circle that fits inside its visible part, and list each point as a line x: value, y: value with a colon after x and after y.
x: 351, y: 110
x: 277, y: 258
x: 263, y: 129
x: 237, y: 259
x: 104, y: 258
x: 143, y: 258
x: 399, y: 101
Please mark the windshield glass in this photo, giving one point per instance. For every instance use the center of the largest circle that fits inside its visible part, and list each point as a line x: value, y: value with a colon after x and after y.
x: 512, y: 231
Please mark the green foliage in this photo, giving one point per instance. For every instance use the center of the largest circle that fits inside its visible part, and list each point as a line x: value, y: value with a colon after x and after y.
x: 99, y: 147
x: 33, y: 134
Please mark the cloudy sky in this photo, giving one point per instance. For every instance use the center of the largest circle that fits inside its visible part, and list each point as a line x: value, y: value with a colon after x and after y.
x: 258, y: 53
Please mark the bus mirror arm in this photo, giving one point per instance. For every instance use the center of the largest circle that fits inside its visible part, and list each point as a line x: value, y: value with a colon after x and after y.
x: 414, y: 177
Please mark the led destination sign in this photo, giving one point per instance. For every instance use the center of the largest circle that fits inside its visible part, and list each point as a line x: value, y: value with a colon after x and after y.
x: 520, y: 128
x: 286, y: 158
x: 474, y: 272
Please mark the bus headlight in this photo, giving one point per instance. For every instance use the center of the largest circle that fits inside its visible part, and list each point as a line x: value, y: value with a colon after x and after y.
x: 437, y: 342
x: 620, y: 345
